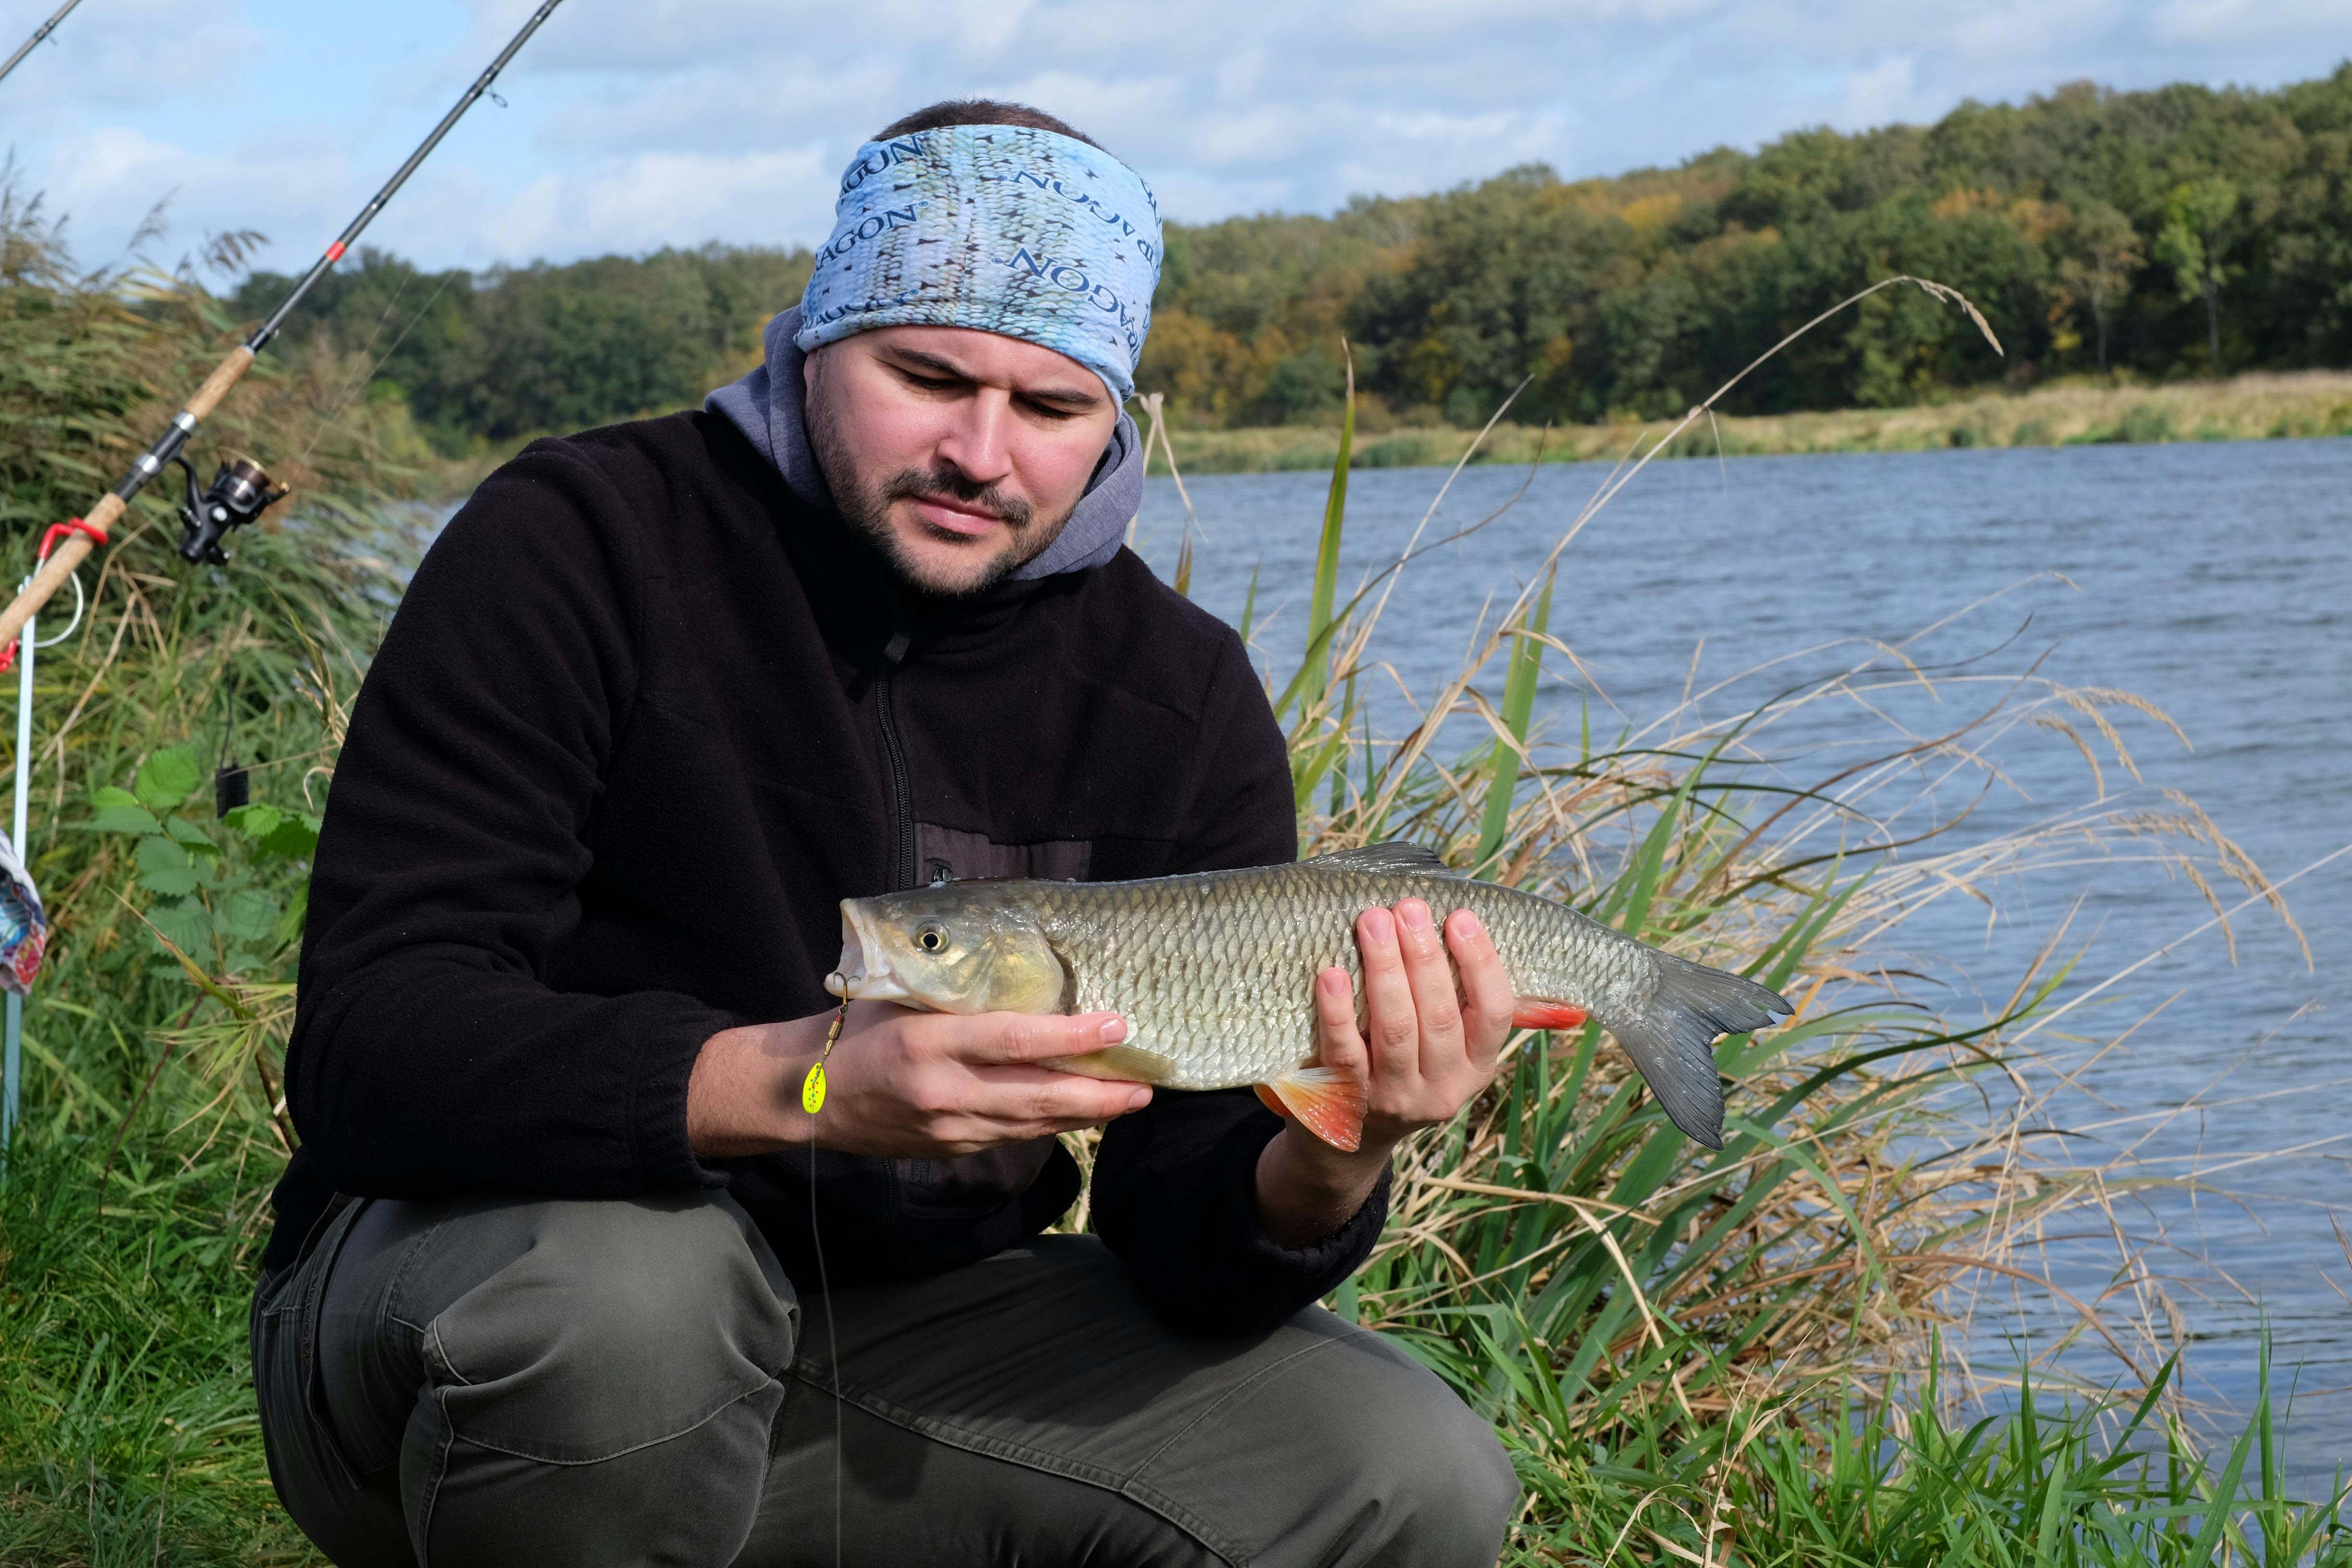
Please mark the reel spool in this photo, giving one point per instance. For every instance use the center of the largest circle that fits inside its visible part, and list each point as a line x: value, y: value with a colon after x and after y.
x: 240, y: 492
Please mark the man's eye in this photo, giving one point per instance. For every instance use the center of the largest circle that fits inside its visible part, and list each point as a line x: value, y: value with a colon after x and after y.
x: 1048, y: 411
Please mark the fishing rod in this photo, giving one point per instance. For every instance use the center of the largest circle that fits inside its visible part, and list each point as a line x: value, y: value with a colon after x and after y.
x: 240, y: 490
x: 239, y: 493
x: 39, y: 33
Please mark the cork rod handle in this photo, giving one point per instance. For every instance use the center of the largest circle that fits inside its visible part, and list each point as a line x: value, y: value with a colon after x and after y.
x: 226, y: 375
x: 75, y: 547
x: 70, y: 553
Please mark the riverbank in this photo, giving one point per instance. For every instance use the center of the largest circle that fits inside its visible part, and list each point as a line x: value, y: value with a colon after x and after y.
x: 2251, y: 407
x: 2245, y: 409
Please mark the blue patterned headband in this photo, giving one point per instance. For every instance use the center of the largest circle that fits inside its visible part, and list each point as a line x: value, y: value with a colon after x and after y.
x: 1002, y: 227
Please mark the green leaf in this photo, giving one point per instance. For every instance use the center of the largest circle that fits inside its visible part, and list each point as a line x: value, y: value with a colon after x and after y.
x: 192, y: 835
x: 170, y: 777
x: 164, y: 867
x: 290, y: 924
x: 1518, y: 706
x: 296, y: 837
x: 1314, y: 673
x: 249, y: 915
x: 186, y: 922
x: 119, y: 811
x: 256, y: 820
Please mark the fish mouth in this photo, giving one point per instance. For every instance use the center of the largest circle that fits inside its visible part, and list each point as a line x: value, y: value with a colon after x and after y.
x: 864, y: 972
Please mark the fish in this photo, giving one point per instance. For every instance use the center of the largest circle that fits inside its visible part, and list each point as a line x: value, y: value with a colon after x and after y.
x: 1215, y: 972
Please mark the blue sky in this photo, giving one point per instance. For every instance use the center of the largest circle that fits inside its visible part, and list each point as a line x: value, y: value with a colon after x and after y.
x: 636, y: 124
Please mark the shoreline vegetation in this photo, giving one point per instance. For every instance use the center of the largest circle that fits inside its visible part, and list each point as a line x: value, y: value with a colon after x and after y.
x: 1752, y: 1357
x: 2256, y: 407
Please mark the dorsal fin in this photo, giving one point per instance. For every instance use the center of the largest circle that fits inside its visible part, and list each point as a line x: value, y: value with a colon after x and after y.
x: 1396, y: 856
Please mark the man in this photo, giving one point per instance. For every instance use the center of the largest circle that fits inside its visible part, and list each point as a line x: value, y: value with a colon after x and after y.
x: 563, y: 1272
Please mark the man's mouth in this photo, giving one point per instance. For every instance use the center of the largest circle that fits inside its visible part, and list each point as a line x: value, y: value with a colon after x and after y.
x: 959, y: 518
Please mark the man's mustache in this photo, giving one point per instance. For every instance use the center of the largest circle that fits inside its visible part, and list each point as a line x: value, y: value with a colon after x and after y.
x: 918, y: 484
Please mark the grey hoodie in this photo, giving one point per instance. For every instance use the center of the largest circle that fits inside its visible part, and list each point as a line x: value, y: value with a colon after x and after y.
x: 766, y: 406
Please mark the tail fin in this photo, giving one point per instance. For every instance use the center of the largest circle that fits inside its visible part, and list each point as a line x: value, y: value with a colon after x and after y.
x: 1672, y: 1043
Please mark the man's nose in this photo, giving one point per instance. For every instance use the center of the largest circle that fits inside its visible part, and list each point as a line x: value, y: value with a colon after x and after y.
x: 978, y: 438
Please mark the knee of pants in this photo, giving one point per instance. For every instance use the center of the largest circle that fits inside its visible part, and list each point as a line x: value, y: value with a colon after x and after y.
x: 1431, y: 1467
x: 613, y: 1324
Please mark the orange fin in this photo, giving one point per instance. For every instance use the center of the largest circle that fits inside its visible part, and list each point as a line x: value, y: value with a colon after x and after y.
x: 1533, y: 1013
x: 1327, y: 1103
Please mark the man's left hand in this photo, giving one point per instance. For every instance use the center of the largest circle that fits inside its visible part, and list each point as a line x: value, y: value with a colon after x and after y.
x: 1426, y: 1050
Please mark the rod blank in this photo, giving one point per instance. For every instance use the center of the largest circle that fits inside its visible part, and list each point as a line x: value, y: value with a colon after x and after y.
x: 71, y: 552
x: 39, y: 33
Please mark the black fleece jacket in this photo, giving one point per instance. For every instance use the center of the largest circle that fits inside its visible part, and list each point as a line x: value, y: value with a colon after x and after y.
x: 641, y: 720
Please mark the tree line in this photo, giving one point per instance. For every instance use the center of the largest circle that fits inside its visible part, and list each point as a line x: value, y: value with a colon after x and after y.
x: 2184, y: 231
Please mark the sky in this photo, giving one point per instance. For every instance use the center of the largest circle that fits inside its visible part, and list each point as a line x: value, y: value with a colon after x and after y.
x: 632, y: 124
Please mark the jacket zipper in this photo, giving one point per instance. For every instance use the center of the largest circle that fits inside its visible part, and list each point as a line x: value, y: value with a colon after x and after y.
x: 902, y: 790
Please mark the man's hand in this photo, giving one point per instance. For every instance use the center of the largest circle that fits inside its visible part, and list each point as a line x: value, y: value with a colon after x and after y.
x: 903, y: 1084
x: 1427, y: 1050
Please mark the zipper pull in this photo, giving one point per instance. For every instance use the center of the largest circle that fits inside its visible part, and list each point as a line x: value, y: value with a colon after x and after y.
x: 895, y: 650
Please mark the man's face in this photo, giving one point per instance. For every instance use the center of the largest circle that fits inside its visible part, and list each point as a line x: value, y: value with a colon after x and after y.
x: 959, y: 453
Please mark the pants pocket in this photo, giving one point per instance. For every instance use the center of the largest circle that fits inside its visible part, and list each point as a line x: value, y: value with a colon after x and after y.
x: 305, y: 1455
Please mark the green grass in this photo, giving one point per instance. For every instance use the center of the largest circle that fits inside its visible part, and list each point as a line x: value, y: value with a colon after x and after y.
x: 1693, y: 1356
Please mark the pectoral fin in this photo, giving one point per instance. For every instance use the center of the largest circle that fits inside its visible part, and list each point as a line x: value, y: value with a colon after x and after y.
x: 1127, y: 1063
x: 1327, y: 1103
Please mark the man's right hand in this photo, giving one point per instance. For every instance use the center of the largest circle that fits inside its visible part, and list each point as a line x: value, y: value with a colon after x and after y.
x: 902, y: 1084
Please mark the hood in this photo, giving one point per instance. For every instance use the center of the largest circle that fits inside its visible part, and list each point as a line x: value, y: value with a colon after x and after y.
x: 766, y: 406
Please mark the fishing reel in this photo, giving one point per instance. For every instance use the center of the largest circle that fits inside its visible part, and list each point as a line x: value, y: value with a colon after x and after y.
x: 240, y: 492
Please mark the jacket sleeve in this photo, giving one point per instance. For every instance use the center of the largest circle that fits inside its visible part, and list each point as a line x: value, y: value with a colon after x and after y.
x: 430, y: 1055
x: 1175, y: 1184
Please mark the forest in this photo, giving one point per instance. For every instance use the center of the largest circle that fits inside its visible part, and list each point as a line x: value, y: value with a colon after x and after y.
x: 2183, y: 232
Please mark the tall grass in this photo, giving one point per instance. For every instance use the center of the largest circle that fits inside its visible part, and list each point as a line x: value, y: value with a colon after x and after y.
x: 1713, y: 1357
x: 137, y: 1194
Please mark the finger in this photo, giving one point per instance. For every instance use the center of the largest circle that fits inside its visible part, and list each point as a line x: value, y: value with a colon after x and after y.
x: 1339, y: 1044
x: 1392, y: 1031
x: 1028, y: 1038
x: 1431, y: 976
x: 1026, y: 1096
x: 1486, y: 992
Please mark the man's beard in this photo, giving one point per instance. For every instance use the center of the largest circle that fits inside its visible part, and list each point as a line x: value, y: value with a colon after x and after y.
x: 866, y: 509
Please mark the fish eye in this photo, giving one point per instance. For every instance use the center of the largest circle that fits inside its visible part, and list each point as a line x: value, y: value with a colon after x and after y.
x: 930, y: 939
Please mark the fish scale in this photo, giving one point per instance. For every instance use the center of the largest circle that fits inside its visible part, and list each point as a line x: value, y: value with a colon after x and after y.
x: 1215, y: 971
x: 1239, y: 1007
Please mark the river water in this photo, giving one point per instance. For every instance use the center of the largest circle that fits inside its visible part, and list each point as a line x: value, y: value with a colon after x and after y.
x: 2214, y: 581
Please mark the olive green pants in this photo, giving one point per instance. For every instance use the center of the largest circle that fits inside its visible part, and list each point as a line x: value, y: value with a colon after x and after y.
x: 518, y: 1381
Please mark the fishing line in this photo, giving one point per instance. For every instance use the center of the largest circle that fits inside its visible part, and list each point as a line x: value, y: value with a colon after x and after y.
x: 328, y: 421
x: 812, y: 1101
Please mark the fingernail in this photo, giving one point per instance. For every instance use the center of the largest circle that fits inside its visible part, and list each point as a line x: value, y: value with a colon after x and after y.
x: 1114, y: 1030
x: 1415, y: 915
x: 1139, y: 1100
x: 1471, y: 924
